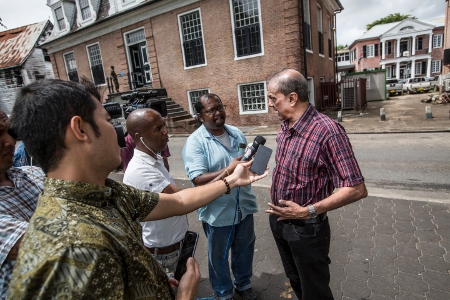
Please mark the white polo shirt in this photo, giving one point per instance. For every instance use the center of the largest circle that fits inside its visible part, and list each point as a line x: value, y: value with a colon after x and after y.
x: 146, y: 173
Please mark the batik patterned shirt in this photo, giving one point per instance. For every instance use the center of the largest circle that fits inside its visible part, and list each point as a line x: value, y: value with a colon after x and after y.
x: 313, y: 158
x: 17, y: 205
x: 85, y: 242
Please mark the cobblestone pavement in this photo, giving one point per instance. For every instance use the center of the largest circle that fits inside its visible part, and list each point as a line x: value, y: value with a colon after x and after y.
x: 380, y: 249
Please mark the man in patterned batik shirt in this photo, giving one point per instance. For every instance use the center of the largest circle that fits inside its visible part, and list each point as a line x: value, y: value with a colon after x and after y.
x: 19, y: 191
x: 84, y: 239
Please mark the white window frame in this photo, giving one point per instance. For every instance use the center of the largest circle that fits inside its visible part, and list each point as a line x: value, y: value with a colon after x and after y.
x: 64, y: 19
x: 191, y: 104
x: 233, y: 30
x: 307, y: 17
x: 252, y: 112
x: 90, y: 65
x: 418, y: 68
x: 436, y: 66
x: 81, y: 12
x: 127, y: 51
x: 65, y: 62
x: 180, y: 30
x: 320, y: 29
x: 370, y: 50
x: 437, y: 40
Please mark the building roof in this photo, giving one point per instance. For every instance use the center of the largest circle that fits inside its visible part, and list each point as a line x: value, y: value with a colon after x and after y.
x: 16, y: 44
x: 378, y: 30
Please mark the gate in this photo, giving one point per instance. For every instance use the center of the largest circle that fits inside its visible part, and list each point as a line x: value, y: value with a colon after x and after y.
x: 348, y: 94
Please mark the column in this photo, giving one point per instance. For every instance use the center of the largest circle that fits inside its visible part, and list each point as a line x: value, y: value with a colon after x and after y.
x: 413, y: 68
x: 430, y: 43
x: 397, y: 70
x: 383, y: 54
x: 398, y: 48
x: 429, y: 67
x: 413, y: 49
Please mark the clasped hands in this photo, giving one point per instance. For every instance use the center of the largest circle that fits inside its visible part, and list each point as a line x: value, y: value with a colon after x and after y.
x: 288, y: 210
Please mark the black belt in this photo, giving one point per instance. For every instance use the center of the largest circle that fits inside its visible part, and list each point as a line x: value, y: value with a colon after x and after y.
x: 165, y: 250
x: 303, y: 222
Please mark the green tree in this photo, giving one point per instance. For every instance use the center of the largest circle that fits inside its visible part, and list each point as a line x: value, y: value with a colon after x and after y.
x: 340, y: 47
x: 389, y: 19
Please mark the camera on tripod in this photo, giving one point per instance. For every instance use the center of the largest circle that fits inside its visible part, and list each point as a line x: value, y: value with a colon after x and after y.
x: 141, y: 100
x: 135, y: 100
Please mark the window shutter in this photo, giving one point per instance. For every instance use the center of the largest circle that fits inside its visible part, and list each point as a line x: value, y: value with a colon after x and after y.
x: 376, y: 49
x: 364, y: 51
x: 424, y: 67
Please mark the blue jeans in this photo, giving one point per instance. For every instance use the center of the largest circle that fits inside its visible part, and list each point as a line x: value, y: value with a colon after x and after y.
x: 242, y: 244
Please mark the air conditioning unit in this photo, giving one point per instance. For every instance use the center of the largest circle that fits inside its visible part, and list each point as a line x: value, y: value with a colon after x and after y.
x: 405, y: 53
x: 447, y: 85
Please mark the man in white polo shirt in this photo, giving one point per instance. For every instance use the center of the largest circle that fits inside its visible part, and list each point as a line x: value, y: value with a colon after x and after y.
x: 146, y: 171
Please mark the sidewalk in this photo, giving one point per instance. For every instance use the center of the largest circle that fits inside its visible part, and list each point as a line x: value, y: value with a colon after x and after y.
x: 380, y: 249
x: 403, y: 114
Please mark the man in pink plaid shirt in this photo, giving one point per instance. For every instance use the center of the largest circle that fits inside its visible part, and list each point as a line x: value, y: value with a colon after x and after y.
x: 313, y: 157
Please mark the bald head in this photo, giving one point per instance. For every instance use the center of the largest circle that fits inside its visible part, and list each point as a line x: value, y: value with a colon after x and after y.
x: 290, y: 81
x: 141, y: 119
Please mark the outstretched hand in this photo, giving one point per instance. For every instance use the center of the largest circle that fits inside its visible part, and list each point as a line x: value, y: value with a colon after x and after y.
x: 244, y: 176
x: 187, y: 287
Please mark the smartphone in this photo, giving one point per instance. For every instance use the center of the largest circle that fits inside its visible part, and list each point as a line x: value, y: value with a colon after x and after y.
x: 187, y: 250
x: 261, y: 160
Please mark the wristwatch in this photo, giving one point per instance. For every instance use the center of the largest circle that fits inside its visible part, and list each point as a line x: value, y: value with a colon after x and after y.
x: 312, y: 211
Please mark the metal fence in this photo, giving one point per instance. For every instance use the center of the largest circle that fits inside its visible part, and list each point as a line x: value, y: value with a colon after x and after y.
x: 347, y: 94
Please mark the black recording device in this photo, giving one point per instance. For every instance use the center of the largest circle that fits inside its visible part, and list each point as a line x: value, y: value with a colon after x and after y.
x: 135, y: 100
x: 261, y: 160
x: 114, y: 110
x: 187, y: 250
x: 141, y: 100
x: 259, y: 140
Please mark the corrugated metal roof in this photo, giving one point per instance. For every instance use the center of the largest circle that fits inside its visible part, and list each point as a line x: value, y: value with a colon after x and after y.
x: 16, y: 44
x: 378, y: 30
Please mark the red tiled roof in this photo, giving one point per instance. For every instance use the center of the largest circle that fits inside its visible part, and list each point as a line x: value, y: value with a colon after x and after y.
x: 16, y: 44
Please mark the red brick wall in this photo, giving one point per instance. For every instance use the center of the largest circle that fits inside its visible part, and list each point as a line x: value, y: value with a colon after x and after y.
x: 320, y: 65
x: 282, y: 44
x: 367, y: 62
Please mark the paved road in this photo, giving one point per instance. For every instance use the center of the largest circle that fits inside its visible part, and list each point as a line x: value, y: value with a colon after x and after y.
x: 395, y: 244
x: 411, y: 166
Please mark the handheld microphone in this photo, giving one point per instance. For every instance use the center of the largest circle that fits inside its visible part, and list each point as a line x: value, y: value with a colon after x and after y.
x: 259, y: 140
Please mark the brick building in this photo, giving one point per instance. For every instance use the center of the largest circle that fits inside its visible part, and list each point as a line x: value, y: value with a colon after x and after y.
x: 227, y: 47
x: 410, y: 48
x: 22, y: 61
x: 446, y: 68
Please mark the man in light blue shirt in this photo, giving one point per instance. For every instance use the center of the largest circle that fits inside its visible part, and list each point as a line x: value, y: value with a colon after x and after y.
x: 210, y: 153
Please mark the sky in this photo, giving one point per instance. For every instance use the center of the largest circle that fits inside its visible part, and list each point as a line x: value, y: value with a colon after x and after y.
x: 351, y: 22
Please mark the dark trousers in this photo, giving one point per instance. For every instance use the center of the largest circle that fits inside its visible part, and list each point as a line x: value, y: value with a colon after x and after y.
x: 304, y: 254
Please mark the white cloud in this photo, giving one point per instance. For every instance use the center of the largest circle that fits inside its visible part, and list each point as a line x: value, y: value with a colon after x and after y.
x: 352, y: 21
x: 16, y: 13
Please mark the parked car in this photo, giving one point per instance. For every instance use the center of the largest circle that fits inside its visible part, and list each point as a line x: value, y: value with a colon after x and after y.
x: 414, y: 85
x: 394, y: 87
x: 433, y: 82
x: 443, y: 81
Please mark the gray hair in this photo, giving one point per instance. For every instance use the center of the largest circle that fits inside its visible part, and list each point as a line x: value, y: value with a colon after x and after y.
x: 295, y: 82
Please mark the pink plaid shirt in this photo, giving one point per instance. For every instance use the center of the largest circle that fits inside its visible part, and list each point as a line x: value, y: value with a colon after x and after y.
x: 312, y: 159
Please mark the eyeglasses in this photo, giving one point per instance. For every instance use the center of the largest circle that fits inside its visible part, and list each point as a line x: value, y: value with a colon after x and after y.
x: 212, y: 111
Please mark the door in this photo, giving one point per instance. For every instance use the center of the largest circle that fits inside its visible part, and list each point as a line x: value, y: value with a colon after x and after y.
x: 141, y: 72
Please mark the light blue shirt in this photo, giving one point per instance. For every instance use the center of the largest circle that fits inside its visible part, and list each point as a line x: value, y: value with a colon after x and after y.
x: 203, y: 153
